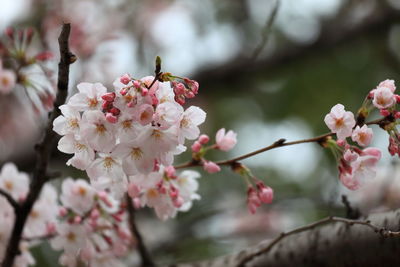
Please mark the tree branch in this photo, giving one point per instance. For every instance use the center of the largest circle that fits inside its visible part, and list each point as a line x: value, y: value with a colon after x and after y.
x: 144, y: 254
x: 358, y: 242
x: 279, y: 143
x: 10, y: 200
x: 43, y: 149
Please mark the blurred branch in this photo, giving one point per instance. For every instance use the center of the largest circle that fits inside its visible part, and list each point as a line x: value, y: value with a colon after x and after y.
x: 10, y: 200
x: 333, y: 32
x: 266, y: 31
x: 366, y: 242
x: 43, y: 149
x: 144, y: 254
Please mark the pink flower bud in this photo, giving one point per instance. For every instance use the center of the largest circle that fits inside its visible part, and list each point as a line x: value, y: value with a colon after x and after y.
x: 397, y: 114
x: 196, y: 147
x: 125, y: 79
x: 154, y: 100
x: 115, y: 111
x: 109, y: 97
x: 111, y: 118
x: 204, y: 139
x: 94, y: 214
x: 137, y: 84
x: 170, y: 171
x: 106, y: 105
x: 189, y: 94
x: 340, y: 142
x: 265, y: 193
x: 179, y: 88
x: 178, y: 202
x: 211, y: 167
x: 50, y: 228
x: 124, y: 91
x: 173, y: 192
x: 77, y: 219
x: 371, y: 94
x: 253, y: 200
x: 397, y: 98
x: 384, y: 112
x: 62, y: 211
x: 145, y: 91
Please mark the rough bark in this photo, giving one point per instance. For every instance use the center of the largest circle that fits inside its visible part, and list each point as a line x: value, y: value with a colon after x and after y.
x: 326, y: 243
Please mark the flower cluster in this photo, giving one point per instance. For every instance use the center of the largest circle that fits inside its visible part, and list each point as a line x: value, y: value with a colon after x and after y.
x: 356, y: 164
x: 92, y: 226
x: 41, y: 220
x: 131, y: 132
x: 89, y: 226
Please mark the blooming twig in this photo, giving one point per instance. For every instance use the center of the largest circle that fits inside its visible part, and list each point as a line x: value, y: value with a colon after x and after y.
x: 279, y: 143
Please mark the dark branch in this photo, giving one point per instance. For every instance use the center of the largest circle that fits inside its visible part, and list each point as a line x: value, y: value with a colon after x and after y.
x: 43, y: 149
x: 10, y: 200
x: 144, y: 254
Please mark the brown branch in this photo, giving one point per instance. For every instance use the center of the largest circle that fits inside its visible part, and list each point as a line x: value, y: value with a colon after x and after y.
x: 332, y: 241
x: 144, y: 254
x: 10, y: 200
x: 382, y: 231
x: 279, y: 143
x: 43, y: 149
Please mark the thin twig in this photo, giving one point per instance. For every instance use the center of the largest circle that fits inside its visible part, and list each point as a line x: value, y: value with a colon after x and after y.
x: 382, y: 231
x: 10, y: 200
x: 144, y: 254
x: 266, y: 31
x: 43, y: 150
x: 279, y: 143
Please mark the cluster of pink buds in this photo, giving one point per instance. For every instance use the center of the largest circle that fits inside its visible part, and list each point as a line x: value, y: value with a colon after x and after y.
x: 258, y: 195
x: 223, y: 141
x: 109, y: 109
x: 186, y: 89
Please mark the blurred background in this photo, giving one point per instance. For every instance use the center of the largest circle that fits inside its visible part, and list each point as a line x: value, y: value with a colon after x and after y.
x: 267, y: 70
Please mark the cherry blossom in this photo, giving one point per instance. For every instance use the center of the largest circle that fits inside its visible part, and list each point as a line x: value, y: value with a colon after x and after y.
x: 363, y: 135
x: 340, y: 121
x: 226, y: 141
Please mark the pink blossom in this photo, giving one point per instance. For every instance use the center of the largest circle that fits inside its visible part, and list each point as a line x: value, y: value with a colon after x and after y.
x: 226, y: 141
x: 196, y: 147
x: 363, y: 135
x: 388, y: 84
x: 204, y: 139
x: 353, y: 174
x: 125, y: 79
x: 340, y: 121
x: 211, y: 167
x: 383, y: 98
